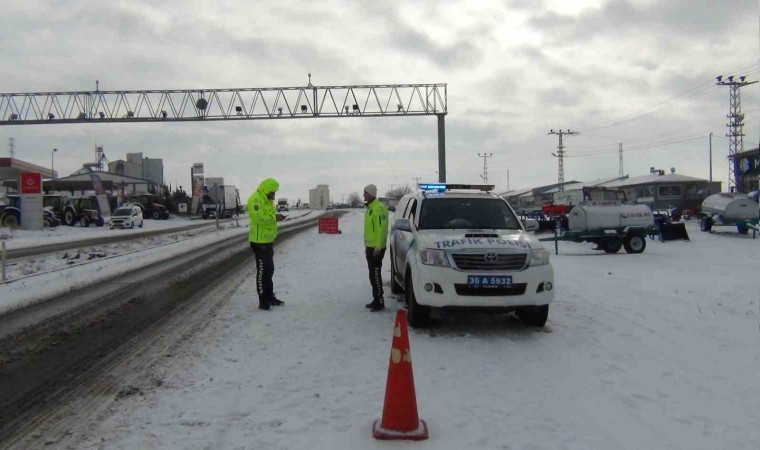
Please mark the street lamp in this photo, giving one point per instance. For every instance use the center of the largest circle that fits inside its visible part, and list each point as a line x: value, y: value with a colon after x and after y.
x: 52, y: 168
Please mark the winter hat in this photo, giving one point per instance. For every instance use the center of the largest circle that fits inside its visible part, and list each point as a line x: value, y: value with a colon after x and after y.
x: 371, y: 189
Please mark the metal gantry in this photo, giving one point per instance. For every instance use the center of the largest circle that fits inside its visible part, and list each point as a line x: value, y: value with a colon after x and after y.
x: 223, y: 104
x: 735, y: 128
x: 202, y: 105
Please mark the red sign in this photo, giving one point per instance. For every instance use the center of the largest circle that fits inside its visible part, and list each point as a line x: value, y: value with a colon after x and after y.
x: 328, y: 225
x: 31, y: 183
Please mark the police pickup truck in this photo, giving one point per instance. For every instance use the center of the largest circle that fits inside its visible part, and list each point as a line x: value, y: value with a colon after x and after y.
x: 462, y: 246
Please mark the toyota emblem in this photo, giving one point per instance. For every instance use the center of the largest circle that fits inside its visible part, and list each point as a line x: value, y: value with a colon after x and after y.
x: 491, y: 257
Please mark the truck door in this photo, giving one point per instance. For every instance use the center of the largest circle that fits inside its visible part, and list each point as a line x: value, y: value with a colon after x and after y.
x: 404, y: 239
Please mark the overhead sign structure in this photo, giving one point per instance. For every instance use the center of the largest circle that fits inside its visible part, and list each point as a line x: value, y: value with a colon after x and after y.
x: 194, y: 105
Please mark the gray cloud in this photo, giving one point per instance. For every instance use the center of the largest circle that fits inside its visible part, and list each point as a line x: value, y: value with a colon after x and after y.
x: 676, y: 21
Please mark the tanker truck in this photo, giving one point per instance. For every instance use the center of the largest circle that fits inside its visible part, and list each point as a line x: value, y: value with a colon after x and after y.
x: 610, y: 225
x: 732, y: 210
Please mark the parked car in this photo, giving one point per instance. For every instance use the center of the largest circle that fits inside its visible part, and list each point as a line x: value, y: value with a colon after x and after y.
x: 467, y: 249
x: 127, y: 216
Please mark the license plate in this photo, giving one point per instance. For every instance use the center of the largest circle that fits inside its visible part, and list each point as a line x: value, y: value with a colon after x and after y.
x: 485, y: 281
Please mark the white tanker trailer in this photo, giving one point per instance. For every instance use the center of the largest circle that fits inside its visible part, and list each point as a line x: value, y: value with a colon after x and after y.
x: 730, y: 209
x: 611, y: 225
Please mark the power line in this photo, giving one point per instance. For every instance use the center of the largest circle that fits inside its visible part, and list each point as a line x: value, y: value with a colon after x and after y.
x: 643, y: 147
x: 677, y: 134
x: 690, y: 93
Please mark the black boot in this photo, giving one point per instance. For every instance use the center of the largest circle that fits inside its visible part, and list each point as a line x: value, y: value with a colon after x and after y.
x: 276, y: 302
x: 377, y: 306
x: 265, y: 306
x: 373, y: 303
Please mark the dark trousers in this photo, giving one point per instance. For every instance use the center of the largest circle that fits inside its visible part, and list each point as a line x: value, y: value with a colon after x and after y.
x: 375, y: 265
x: 264, y: 270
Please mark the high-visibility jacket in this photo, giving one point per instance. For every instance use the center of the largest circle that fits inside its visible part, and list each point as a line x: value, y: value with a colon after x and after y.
x: 375, y: 224
x: 262, y: 215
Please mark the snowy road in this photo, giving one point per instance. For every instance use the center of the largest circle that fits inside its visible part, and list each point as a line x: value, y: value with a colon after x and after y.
x: 658, y: 351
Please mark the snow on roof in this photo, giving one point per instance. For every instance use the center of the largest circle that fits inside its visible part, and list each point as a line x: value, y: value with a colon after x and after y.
x: 516, y: 192
x: 650, y: 179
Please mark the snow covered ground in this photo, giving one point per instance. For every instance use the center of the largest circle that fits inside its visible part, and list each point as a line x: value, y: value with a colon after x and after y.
x: 16, y: 239
x: 44, y: 277
x: 657, y: 351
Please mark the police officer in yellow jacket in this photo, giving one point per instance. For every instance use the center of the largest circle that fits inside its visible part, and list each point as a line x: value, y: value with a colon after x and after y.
x: 375, y: 238
x: 262, y: 233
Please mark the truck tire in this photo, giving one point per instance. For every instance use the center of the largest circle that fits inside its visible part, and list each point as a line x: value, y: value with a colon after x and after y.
x: 612, y: 245
x: 69, y: 218
x: 10, y: 221
x: 705, y: 224
x: 635, y: 243
x: 534, y: 316
x: 85, y: 222
x: 156, y: 214
x: 395, y: 287
x: 742, y: 229
x: 419, y: 316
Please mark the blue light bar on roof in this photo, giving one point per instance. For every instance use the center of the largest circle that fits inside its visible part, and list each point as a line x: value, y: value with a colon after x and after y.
x: 441, y: 187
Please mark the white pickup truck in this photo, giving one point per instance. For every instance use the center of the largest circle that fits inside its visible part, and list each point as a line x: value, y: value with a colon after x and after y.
x: 461, y: 246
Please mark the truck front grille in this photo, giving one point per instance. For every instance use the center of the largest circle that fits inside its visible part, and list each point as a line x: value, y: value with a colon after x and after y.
x: 486, y: 261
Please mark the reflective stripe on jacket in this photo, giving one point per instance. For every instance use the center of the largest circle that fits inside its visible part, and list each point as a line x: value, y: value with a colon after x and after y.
x: 375, y: 224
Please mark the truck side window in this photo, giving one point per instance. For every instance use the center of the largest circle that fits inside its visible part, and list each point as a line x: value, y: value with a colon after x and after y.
x: 412, y: 211
x: 406, y: 208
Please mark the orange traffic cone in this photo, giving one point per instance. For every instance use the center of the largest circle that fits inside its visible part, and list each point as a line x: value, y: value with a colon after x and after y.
x: 400, y: 419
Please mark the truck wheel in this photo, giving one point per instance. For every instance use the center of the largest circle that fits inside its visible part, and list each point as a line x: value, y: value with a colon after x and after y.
x: 742, y: 229
x: 611, y: 245
x: 85, y: 222
x: 419, y: 316
x: 10, y: 221
x: 635, y: 243
x: 395, y: 287
x: 534, y: 316
x: 156, y: 214
x: 705, y: 224
x: 69, y: 218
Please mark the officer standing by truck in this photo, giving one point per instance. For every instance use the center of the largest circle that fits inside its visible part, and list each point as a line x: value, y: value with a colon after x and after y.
x: 261, y: 235
x: 375, y: 238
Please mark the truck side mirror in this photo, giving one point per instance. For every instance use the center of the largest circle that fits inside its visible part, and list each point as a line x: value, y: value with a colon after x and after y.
x: 530, y: 224
x: 402, y: 225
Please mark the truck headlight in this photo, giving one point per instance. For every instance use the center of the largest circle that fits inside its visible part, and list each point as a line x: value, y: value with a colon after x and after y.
x: 539, y: 257
x: 432, y: 257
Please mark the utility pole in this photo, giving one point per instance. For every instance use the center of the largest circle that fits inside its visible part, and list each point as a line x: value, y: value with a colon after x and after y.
x: 560, y: 155
x: 485, y: 157
x: 507, y: 179
x: 711, y: 157
x: 622, y: 172
x: 735, y: 127
x: 13, y: 148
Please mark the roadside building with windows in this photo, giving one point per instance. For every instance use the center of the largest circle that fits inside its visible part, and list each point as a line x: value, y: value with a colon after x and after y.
x: 748, y: 178
x: 659, y: 190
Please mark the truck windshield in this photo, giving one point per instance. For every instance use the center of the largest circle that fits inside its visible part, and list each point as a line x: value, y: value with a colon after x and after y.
x: 471, y: 213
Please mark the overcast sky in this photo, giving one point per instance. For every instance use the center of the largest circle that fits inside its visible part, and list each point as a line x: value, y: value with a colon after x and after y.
x: 640, y: 72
